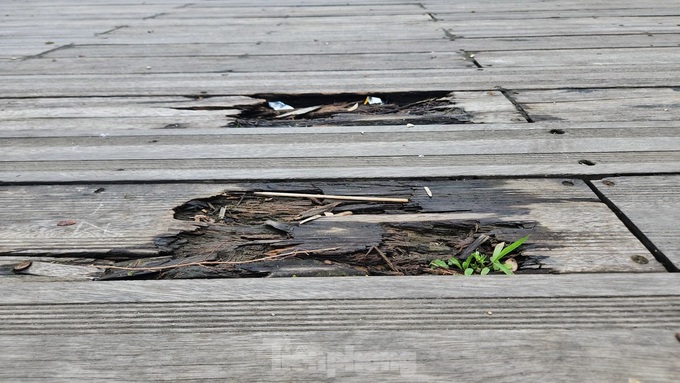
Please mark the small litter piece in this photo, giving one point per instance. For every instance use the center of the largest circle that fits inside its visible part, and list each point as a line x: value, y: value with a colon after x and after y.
x: 353, y: 107
x: 278, y: 105
x: 409, y: 125
x: 373, y: 101
x: 428, y: 191
x: 67, y: 222
x: 299, y: 112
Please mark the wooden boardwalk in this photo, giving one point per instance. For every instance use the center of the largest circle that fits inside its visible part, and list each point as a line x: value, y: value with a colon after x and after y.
x: 127, y: 126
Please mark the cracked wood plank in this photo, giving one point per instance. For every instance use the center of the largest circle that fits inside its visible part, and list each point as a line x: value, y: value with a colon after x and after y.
x: 571, y: 230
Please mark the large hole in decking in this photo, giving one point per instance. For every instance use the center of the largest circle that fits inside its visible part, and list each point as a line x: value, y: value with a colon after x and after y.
x: 396, y: 232
x: 352, y: 109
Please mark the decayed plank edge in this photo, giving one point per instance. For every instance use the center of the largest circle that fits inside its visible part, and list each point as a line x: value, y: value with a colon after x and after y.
x: 442, y: 287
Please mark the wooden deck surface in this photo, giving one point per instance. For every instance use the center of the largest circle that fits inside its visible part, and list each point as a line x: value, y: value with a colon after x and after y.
x: 558, y: 119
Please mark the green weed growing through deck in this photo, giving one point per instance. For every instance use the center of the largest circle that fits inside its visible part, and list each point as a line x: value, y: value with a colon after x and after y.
x: 480, y: 263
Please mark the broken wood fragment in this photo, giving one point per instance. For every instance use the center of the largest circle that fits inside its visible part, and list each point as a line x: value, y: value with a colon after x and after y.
x: 384, y: 257
x: 317, y: 210
x: 335, y: 197
x: 473, y: 246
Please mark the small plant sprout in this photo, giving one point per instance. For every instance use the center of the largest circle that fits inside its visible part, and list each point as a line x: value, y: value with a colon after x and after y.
x: 480, y: 263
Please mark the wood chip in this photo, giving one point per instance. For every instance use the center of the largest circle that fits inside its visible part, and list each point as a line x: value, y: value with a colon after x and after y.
x: 428, y: 191
x: 66, y: 222
x: 312, y: 218
x: 353, y: 107
x: 299, y: 112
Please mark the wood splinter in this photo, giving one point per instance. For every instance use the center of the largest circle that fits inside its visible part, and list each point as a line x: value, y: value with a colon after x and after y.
x: 384, y: 257
x: 335, y: 197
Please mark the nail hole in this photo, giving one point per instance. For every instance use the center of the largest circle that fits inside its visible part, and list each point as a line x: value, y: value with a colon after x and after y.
x: 608, y: 183
x: 567, y: 183
x: 557, y: 131
x: 586, y: 162
x: 639, y: 259
x: 99, y: 190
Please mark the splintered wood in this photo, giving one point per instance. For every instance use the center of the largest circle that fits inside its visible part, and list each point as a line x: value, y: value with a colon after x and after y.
x: 319, y: 228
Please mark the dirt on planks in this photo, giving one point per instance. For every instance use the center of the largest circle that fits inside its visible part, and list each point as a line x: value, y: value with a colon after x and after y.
x: 247, y: 234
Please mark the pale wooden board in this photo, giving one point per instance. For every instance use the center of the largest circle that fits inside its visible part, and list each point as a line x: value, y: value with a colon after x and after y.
x: 661, y: 104
x: 318, y: 329
x: 123, y: 219
x: 580, y: 57
x: 356, y: 81
x: 227, y: 64
x: 464, y: 165
x: 653, y: 206
x: 110, y: 115
x: 383, y: 289
x: 412, y: 143
x: 570, y: 226
x: 362, y: 45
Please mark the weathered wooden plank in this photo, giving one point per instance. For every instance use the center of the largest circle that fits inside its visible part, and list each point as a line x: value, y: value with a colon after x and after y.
x: 436, y: 144
x: 216, y: 291
x: 503, y: 165
x: 579, y: 57
x: 571, y: 230
x: 602, y: 104
x: 584, y: 26
x: 104, y: 219
x: 105, y: 116
x: 228, y: 64
x: 359, y: 81
x: 350, y: 355
x: 652, y: 204
x: 314, y: 329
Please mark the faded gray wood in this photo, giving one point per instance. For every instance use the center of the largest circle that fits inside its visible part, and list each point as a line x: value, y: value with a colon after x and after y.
x: 349, y: 355
x: 453, y: 150
x: 60, y: 271
x: 561, y: 216
x: 228, y: 64
x: 374, y: 288
x: 355, y: 81
x: 643, y: 104
x: 652, y: 204
x: 108, y: 219
x: 580, y: 57
x: 105, y: 116
x: 314, y: 329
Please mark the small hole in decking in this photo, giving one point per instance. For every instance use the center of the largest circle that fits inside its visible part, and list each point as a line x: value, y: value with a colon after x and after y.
x: 586, y: 162
x: 557, y: 131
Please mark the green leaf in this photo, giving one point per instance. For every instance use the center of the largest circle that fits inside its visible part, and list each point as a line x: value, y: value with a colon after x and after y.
x: 485, y: 271
x: 469, y: 271
x: 497, y: 252
x: 513, y: 246
x: 455, y: 262
x: 466, y: 262
x: 502, y: 267
x: 439, y: 263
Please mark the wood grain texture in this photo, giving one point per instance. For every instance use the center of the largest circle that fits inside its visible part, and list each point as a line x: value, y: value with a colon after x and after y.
x: 643, y: 104
x: 653, y: 206
x: 108, y: 219
x: 313, y: 329
x: 336, y: 152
